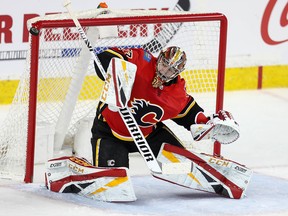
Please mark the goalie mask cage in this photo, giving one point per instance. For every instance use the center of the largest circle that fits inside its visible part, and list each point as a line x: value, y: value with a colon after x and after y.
x: 59, y: 87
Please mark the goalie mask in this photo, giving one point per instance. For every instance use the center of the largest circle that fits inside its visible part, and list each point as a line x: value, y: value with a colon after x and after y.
x: 170, y: 64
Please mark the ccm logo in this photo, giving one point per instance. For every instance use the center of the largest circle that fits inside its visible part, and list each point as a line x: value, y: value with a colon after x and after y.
x: 106, y: 87
x: 219, y: 162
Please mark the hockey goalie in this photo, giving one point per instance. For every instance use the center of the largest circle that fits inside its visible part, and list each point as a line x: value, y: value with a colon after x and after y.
x: 140, y: 92
x: 116, y: 133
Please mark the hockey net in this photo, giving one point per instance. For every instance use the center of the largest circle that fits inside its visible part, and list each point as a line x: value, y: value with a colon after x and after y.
x: 59, y: 89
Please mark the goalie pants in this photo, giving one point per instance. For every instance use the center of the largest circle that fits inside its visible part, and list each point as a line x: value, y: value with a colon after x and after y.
x: 109, y: 151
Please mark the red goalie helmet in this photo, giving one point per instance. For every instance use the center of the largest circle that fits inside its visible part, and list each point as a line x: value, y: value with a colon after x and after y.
x: 170, y: 63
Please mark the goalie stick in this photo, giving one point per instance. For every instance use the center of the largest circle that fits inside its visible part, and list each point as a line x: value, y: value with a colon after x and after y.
x: 168, y: 30
x: 124, y: 111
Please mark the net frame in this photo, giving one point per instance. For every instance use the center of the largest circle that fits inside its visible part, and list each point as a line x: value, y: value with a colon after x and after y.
x: 131, y: 20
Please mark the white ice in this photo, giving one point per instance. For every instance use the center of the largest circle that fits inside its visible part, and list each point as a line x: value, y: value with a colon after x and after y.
x: 262, y: 115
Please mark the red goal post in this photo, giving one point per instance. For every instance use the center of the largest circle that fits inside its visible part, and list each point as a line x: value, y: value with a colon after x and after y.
x: 57, y: 53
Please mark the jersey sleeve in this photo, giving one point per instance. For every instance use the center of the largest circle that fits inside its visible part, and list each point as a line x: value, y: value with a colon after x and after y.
x: 187, y: 116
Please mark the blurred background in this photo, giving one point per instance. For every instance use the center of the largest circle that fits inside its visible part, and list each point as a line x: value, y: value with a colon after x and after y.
x: 257, y: 49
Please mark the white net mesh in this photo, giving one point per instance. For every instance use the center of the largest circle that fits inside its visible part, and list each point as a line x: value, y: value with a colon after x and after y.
x: 68, y: 88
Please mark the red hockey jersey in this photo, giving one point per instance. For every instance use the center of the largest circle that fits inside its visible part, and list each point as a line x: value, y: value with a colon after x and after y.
x: 149, y: 105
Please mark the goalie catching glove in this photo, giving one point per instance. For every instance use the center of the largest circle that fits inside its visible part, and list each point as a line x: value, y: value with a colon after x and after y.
x: 221, y: 127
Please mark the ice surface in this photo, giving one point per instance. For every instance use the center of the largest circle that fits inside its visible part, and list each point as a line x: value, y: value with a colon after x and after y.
x: 263, y: 147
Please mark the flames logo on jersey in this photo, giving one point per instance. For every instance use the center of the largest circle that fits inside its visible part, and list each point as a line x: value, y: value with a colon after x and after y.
x: 145, y: 113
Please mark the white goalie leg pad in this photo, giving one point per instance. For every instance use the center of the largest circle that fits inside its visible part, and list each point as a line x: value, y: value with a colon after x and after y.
x: 76, y: 175
x: 207, y: 173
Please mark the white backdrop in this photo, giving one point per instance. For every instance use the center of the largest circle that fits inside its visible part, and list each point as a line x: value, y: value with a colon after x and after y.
x: 257, y: 32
